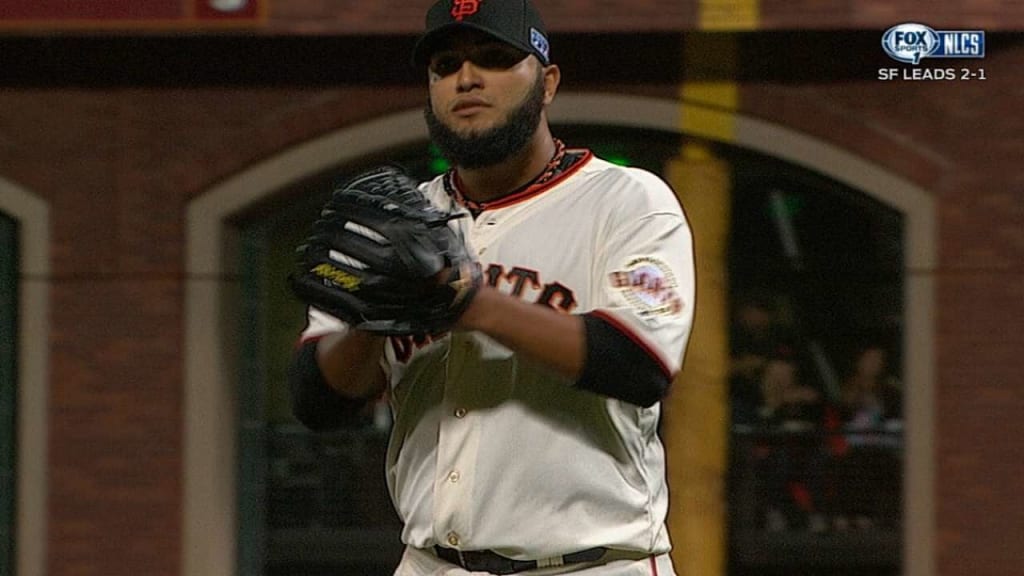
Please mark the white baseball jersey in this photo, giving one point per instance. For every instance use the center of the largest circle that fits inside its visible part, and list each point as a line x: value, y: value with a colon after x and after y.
x: 490, y: 451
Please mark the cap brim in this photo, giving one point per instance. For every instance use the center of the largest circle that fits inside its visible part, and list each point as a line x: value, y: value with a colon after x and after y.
x: 425, y: 45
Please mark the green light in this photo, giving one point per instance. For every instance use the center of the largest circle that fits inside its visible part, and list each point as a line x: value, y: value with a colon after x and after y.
x: 439, y: 165
x: 618, y: 160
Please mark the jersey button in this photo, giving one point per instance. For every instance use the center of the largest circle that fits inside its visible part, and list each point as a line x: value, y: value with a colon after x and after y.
x: 453, y: 477
x: 453, y: 539
x: 460, y: 412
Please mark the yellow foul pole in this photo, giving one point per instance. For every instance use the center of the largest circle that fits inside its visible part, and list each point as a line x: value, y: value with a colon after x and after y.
x: 696, y: 413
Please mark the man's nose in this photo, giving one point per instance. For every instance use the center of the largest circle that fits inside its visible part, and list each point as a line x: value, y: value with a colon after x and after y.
x: 468, y: 76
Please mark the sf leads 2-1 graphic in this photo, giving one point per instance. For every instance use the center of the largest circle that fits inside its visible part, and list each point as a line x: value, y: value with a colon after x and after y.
x: 948, y: 74
x: 911, y: 42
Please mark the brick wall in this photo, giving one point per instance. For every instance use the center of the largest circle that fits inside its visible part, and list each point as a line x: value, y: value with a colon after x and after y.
x: 357, y: 17
x: 118, y: 165
x: 405, y: 17
x: 118, y: 168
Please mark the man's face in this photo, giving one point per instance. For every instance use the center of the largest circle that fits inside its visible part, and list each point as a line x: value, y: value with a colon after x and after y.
x: 486, y: 99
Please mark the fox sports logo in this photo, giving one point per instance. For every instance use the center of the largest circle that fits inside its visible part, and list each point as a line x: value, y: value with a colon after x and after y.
x: 910, y: 42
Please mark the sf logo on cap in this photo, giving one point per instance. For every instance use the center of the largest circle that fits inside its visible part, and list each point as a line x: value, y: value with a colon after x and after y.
x: 463, y: 8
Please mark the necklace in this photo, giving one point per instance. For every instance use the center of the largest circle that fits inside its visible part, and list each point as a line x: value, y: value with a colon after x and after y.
x: 558, y: 163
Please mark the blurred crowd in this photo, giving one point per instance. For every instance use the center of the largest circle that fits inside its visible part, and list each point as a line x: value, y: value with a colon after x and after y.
x: 825, y: 443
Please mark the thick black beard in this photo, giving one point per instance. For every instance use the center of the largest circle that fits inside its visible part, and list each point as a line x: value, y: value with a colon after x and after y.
x: 495, y: 145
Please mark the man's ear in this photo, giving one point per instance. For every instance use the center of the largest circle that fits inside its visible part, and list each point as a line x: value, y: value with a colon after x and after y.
x: 552, y: 77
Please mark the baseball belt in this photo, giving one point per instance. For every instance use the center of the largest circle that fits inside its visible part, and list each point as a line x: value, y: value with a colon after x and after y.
x: 494, y: 563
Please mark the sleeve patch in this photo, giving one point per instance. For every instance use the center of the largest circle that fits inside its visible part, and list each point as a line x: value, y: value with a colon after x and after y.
x: 649, y: 286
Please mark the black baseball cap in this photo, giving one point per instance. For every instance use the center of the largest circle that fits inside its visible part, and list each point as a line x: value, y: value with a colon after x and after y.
x: 516, y: 22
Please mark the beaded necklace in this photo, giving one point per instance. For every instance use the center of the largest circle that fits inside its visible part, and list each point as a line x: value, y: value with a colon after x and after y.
x: 561, y: 160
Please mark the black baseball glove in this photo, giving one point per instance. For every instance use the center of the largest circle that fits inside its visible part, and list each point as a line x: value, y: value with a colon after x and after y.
x: 383, y: 259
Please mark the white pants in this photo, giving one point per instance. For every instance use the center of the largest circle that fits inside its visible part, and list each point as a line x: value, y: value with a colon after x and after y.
x: 417, y: 562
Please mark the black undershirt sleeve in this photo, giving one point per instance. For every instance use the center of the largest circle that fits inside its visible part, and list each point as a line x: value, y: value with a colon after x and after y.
x: 314, y: 403
x: 618, y: 367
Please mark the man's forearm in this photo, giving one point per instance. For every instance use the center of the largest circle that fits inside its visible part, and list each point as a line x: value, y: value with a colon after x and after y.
x: 350, y: 363
x: 595, y: 354
x: 543, y: 334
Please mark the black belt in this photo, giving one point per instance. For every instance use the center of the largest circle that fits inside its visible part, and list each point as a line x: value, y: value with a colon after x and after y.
x: 487, y: 561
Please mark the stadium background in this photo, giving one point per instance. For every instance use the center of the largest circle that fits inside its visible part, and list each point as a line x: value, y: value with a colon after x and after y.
x: 140, y: 156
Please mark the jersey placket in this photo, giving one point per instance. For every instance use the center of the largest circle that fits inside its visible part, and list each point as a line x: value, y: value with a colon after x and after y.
x: 483, y: 232
x: 458, y: 432
x: 457, y: 444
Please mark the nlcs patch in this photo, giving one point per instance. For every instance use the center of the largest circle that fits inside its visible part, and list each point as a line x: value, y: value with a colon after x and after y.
x: 649, y: 286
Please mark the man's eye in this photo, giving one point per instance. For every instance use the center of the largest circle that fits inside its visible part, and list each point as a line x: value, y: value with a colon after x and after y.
x: 445, y: 64
x: 498, y: 57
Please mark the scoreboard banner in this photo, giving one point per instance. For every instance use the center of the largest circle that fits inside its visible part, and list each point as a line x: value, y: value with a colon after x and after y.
x: 129, y: 14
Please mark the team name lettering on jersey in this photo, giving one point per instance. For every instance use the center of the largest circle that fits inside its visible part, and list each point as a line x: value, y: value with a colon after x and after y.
x: 525, y: 283
x: 405, y: 345
x: 518, y: 281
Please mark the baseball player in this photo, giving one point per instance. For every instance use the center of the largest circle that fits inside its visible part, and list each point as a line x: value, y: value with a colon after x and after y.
x: 524, y: 436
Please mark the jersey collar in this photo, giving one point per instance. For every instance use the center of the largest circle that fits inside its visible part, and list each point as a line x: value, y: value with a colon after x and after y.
x: 563, y: 164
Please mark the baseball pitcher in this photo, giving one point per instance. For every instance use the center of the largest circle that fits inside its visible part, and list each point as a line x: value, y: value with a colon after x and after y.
x: 524, y: 313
